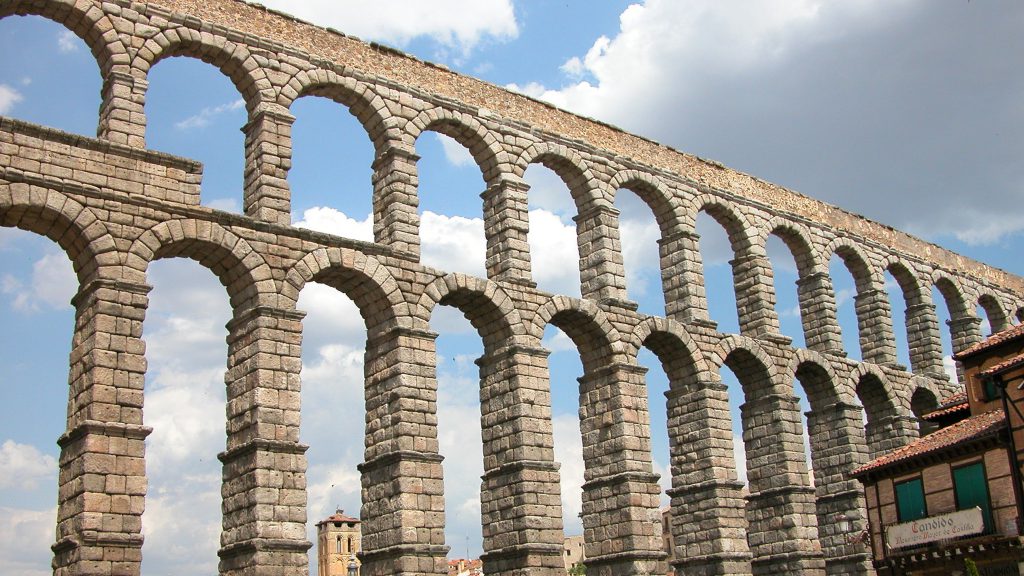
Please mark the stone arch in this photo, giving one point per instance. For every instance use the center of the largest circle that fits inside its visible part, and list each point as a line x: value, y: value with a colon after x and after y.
x: 727, y: 216
x: 921, y: 321
x: 753, y: 367
x: 74, y: 227
x: 85, y: 19
x: 483, y: 145
x: 586, y: 325
x: 1020, y: 314
x: 485, y: 304
x: 798, y: 239
x: 923, y: 400
x: 997, y: 317
x: 856, y: 261
x: 953, y: 294
x: 584, y: 187
x: 821, y: 378
x: 655, y: 194
x: 871, y: 386
x: 233, y: 60
x: 913, y: 291
x: 677, y: 351
x: 871, y: 302
x: 239, y: 268
x: 361, y: 277
x: 360, y: 99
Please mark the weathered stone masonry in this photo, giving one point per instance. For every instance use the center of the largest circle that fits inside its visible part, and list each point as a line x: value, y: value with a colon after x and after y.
x: 114, y: 207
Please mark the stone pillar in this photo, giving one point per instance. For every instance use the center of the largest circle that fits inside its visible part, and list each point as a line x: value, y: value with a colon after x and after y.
x: 818, y: 314
x: 506, y: 225
x: 924, y: 340
x: 837, y: 448
x: 874, y: 321
x: 621, y: 521
x: 264, y: 465
x: 888, y: 432
x: 122, y: 112
x: 102, y: 480
x: 602, y: 275
x: 681, y: 277
x: 964, y: 332
x: 520, y: 493
x: 396, y: 219
x: 783, y: 532
x: 268, y: 157
x: 755, y: 295
x: 709, y: 523
x: 402, y: 481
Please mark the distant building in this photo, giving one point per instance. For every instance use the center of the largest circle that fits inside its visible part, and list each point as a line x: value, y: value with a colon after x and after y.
x: 572, y: 551
x: 953, y: 497
x: 338, y: 543
x: 464, y: 567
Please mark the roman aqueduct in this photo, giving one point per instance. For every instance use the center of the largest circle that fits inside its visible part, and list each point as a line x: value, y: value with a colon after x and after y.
x: 115, y: 207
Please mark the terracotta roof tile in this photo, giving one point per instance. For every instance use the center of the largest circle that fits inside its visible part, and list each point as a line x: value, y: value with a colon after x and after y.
x: 1005, y: 365
x: 963, y: 431
x: 338, y: 516
x: 992, y: 341
x: 950, y: 404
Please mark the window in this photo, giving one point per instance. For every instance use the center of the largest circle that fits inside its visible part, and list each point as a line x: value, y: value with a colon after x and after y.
x: 910, y: 500
x: 337, y: 548
x: 971, y: 488
x: 989, y: 389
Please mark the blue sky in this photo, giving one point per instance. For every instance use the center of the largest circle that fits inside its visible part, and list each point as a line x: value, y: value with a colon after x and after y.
x: 906, y: 111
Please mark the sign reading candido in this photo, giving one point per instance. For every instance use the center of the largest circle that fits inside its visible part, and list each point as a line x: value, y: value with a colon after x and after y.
x: 923, y: 530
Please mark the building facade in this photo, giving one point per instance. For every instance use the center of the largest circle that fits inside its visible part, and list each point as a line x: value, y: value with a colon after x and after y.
x: 339, y: 541
x: 951, y: 501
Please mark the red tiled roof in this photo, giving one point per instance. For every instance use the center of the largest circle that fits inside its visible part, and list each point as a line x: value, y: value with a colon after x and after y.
x: 338, y: 516
x: 1005, y: 365
x: 952, y: 403
x: 992, y: 341
x: 972, y: 428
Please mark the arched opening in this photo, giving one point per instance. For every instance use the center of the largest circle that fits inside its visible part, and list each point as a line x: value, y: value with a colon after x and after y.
x: 49, y: 76
x: 845, y: 290
x: 333, y: 411
x: 994, y: 315
x: 564, y: 370
x: 554, y: 253
x: 716, y: 254
x: 944, y: 315
x: 884, y: 428
x: 787, y: 300
x: 898, y: 306
x: 451, y: 215
x: 922, y: 402
x: 37, y: 282
x: 330, y: 177
x: 639, y: 233
x: 193, y: 110
x: 185, y: 405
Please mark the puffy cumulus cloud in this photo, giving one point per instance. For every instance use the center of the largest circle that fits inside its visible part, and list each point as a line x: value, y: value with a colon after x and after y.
x: 50, y: 287
x: 68, y: 42
x: 25, y: 467
x: 554, y: 255
x: 456, y: 24
x: 878, y: 107
x: 332, y: 221
x: 25, y: 539
x: 949, y: 365
x: 558, y: 341
x: 453, y: 243
x: 8, y: 98
x: 456, y: 154
x: 182, y: 524
x: 739, y: 453
x: 569, y: 454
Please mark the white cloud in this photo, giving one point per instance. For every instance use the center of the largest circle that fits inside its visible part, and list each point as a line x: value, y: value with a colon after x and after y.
x: 456, y: 154
x: 25, y: 539
x: 453, y: 243
x: 739, y: 453
x: 569, y: 453
x: 457, y: 24
x: 559, y: 341
x: 554, y: 255
x: 51, y: 287
x: 208, y: 115
x: 226, y: 204
x: 332, y: 221
x: 25, y: 466
x: 182, y: 525
x: 67, y: 42
x: 949, y: 365
x: 8, y: 98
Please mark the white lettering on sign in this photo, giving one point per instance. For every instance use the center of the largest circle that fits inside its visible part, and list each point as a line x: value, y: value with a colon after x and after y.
x: 923, y: 530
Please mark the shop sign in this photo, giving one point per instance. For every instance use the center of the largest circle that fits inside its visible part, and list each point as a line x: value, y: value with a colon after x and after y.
x: 942, y: 527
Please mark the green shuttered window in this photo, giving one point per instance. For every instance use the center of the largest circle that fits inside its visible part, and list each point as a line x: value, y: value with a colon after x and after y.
x: 972, y: 490
x: 910, y: 500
